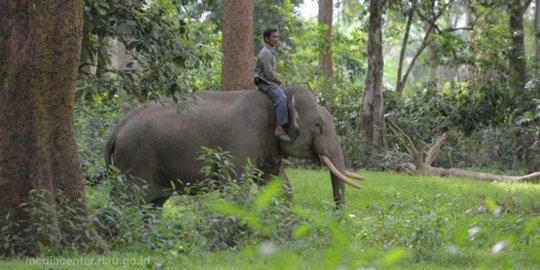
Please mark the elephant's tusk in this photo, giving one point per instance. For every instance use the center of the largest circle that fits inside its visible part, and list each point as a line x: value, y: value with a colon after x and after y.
x: 353, y: 176
x: 337, y: 173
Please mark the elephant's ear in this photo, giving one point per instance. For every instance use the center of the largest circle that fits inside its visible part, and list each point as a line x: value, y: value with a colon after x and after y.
x: 293, y: 130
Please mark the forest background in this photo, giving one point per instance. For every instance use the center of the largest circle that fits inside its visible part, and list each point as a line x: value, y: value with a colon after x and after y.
x: 467, y: 69
x: 399, y: 77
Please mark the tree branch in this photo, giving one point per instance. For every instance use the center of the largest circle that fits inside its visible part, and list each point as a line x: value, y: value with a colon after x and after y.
x: 431, y: 155
x: 399, y: 86
x: 423, y: 45
x: 525, y: 6
x: 406, y: 141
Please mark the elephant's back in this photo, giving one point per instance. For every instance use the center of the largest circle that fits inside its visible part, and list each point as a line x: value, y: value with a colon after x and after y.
x: 236, y: 121
x: 228, y: 106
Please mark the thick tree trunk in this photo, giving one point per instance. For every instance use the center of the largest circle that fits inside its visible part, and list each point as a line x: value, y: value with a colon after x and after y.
x: 372, y: 111
x: 40, y: 46
x: 518, y: 69
x: 326, y: 9
x: 238, y: 59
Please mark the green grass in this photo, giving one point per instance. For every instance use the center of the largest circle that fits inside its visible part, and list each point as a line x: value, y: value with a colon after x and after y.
x: 395, y: 222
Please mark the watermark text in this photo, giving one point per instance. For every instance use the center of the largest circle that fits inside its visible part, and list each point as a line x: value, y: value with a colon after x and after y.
x: 96, y: 261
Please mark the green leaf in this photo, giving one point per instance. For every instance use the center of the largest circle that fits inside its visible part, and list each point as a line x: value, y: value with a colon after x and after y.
x: 301, y: 230
x: 235, y: 210
x: 271, y: 191
x: 492, y: 206
x: 531, y: 225
x: 394, y: 256
x: 461, y: 235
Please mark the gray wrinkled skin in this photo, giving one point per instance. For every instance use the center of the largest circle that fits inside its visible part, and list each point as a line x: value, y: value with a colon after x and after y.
x: 159, y: 144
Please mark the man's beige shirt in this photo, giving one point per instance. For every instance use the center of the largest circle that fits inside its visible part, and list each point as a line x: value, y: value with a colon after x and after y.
x: 266, y: 64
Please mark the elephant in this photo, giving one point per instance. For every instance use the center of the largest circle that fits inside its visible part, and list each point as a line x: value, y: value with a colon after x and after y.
x: 159, y: 142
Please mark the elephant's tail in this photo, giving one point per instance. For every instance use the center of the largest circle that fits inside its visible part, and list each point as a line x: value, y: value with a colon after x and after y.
x: 109, y: 150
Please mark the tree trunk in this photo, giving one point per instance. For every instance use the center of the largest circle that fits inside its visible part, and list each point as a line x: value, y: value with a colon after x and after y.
x: 518, y: 71
x: 238, y: 59
x: 326, y: 9
x: 402, y: 79
x: 400, y: 84
x: 516, y: 62
x: 372, y: 111
x: 103, y: 57
x: 432, y: 65
x: 86, y: 65
x: 537, y: 38
x: 40, y: 43
x: 471, y: 68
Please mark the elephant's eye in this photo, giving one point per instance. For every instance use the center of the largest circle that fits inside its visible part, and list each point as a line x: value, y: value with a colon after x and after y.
x: 318, y: 124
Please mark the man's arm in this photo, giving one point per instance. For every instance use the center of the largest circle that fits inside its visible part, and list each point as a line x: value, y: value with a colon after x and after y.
x: 268, y: 70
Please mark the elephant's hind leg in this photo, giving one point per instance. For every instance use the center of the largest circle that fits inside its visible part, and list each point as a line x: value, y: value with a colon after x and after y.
x: 143, y: 169
x: 159, y: 202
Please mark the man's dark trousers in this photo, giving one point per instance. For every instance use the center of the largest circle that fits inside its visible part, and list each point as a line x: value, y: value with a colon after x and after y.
x: 279, y: 98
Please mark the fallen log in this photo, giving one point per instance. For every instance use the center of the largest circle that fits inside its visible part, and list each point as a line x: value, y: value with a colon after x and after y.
x: 429, y: 170
x: 421, y: 165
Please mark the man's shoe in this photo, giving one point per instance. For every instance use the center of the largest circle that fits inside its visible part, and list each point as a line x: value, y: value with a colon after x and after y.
x: 280, y: 133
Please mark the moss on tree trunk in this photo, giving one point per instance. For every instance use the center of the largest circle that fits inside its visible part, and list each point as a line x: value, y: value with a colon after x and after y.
x: 39, y: 54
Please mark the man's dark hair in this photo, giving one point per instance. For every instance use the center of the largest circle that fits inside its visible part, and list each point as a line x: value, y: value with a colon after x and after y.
x: 268, y: 32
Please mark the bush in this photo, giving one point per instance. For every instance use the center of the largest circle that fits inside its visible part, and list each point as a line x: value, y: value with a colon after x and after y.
x: 229, y: 213
x: 95, y: 117
x: 478, y: 136
x: 30, y: 236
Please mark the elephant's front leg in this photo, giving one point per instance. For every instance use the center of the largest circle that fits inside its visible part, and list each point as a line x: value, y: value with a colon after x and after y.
x: 286, y: 183
x: 277, y: 169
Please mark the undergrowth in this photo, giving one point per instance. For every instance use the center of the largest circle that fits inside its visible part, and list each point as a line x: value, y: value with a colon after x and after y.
x: 396, y: 222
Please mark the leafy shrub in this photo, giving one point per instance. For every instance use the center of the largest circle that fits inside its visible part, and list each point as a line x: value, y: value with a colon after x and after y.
x: 238, y: 211
x: 480, y: 131
x: 126, y: 220
x: 36, y: 228
x: 31, y: 235
x: 95, y: 117
x: 207, y: 220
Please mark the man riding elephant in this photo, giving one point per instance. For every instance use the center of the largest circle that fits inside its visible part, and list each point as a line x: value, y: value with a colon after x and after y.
x: 268, y: 82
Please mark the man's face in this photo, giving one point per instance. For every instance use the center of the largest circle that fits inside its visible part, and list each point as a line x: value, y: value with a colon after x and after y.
x: 273, y: 39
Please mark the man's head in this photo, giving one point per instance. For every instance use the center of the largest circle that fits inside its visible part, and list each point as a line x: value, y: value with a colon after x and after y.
x: 271, y: 37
